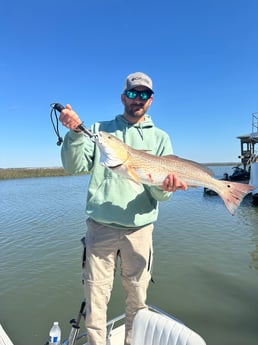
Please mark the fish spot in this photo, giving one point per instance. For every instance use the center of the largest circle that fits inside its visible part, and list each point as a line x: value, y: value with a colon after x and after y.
x: 150, y: 177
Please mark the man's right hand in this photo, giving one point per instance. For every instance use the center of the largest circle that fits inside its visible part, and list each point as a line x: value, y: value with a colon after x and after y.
x: 69, y: 118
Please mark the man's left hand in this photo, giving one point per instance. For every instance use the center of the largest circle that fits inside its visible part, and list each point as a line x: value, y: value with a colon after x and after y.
x: 173, y: 183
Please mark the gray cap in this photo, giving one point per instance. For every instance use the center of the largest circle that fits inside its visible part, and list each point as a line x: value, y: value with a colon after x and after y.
x: 137, y: 79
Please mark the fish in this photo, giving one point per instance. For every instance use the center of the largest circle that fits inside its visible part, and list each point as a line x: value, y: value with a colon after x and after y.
x: 143, y: 167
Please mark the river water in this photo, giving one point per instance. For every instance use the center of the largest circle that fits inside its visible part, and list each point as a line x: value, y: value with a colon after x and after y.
x: 205, y: 261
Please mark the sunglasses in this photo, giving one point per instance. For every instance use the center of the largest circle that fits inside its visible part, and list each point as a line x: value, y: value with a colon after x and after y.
x: 144, y: 95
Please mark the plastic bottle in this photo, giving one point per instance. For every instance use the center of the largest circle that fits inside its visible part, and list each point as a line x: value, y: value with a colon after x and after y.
x: 55, y: 334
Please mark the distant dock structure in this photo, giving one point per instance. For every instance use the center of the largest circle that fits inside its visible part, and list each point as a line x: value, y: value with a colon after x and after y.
x: 248, y: 142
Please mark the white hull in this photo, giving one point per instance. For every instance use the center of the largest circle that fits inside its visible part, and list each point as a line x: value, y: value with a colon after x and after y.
x: 254, y: 177
x: 4, y: 339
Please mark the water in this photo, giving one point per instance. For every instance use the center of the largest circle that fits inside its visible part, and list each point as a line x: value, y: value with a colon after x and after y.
x: 205, y: 266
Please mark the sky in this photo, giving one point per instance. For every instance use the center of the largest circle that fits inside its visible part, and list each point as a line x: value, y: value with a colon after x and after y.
x: 202, y: 56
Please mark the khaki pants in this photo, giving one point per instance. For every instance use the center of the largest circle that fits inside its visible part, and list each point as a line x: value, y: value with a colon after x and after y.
x: 103, y: 245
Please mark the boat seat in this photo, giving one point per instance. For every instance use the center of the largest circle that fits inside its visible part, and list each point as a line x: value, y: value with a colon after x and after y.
x: 151, y: 328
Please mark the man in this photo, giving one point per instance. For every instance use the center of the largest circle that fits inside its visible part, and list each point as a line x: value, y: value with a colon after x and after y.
x: 120, y: 218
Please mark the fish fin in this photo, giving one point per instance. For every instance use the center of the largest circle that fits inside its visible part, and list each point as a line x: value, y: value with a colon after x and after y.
x: 131, y: 172
x: 233, y: 193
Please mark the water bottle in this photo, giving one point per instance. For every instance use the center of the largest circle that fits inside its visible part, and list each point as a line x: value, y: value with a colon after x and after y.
x: 55, y: 334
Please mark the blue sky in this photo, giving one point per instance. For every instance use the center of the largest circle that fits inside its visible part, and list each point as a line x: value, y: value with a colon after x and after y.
x: 201, y: 54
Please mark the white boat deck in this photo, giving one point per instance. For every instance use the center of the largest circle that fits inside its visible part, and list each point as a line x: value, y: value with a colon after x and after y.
x: 150, y: 327
x: 155, y: 327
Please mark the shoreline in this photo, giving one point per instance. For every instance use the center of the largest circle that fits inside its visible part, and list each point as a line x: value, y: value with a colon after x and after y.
x: 18, y: 173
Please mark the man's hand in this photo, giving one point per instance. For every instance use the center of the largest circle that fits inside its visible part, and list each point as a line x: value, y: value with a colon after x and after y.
x: 173, y: 183
x: 69, y: 118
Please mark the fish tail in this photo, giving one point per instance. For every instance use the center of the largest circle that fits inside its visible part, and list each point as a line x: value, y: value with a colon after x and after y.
x: 233, y: 193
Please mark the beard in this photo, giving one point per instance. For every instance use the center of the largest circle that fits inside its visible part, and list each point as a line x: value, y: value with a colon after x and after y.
x: 135, y: 110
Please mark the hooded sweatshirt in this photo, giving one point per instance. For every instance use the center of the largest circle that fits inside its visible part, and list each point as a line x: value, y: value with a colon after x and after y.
x: 111, y: 198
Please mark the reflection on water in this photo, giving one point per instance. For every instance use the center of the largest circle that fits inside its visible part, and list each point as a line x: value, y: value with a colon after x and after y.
x: 252, y: 224
x: 205, y: 263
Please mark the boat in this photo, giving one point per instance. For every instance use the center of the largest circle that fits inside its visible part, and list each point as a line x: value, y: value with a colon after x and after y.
x: 254, y: 181
x: 151, y: 326
x: 249, y: 156
x: 247, y: 170
x: 4, y: 339
x: 239, y: 174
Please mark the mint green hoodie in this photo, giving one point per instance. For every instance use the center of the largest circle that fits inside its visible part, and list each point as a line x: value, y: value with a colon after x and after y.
x: 112, y: 199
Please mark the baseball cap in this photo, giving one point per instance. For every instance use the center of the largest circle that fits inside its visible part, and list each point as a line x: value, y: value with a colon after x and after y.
x: 138, y: 79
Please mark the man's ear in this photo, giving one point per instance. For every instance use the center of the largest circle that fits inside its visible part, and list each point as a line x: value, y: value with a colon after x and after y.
x: 123, y: 98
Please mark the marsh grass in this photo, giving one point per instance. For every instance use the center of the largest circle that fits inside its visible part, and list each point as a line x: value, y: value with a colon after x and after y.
x: 16, y: 173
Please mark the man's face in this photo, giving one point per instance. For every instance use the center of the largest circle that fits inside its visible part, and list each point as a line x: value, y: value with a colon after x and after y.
x: 135, y: 108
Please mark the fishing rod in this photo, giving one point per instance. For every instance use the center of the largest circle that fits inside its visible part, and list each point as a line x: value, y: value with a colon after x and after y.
x: 74, y: 335
x: 75, y: 326
x: 59, y: 107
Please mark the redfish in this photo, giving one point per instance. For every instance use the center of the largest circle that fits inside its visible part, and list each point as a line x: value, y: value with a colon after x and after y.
x: 143, y: 167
